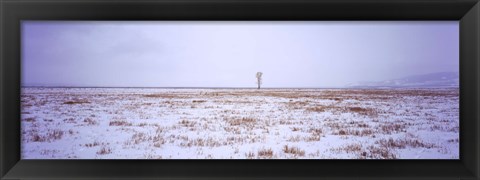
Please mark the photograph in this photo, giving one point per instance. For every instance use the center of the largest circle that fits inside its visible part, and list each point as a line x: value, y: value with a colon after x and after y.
x: 240, y: 90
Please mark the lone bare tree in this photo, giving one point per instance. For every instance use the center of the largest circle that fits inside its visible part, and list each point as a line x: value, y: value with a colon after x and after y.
x: 259, y: 79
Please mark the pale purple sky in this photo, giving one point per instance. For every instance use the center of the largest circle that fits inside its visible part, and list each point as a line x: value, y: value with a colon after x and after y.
x: 228, y: 54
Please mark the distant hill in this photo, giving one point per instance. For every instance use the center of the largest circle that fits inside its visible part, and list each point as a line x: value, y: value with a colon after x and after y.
x: 440, y: 79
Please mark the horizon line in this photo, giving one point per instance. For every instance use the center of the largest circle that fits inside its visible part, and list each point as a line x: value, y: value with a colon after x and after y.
x: 326, y: 87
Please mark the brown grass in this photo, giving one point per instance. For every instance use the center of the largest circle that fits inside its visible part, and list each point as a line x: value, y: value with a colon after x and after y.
x: 70, y: 120
x: 250, y: 155
x: 238, y: 122
x: 366, y: 132
x: 119, y: 123
x: 363, y: 111
x: 30, y: 119
x: 55, y: 134
x: 90, y: 121
x: 403, y: 143
x: 202, y: 143
x: 378, y: 153
x: 353, y: 148
x: 265, y: 153
x: 138, y: 138
x: 142, y: 124
x: 24, y: 105
x: 453, y: 140
x: 295, y: 128
x: 38, y: 138
x: 437, y: 127
x: 48, y: 137
x: 235, y: 139
x: 187, y: 123
x: 318, y: 109
x: 296, y: 138
x: 166, y: 96
x: 234, y: 130
x: 79, y: 101
x: 329, y: 108
x: 92, y: 144
x: 390, y: 128
x: 354, y: 132
x: 158, y: 141
x: 104, y: 150
x: 313, y: 138
x: 316, y: 131
x: 242, y: 121
x: 297, y: 104
x: 293, y: 150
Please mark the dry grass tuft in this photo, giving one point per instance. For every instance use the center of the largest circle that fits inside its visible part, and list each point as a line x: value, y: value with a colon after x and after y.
x: 353, y: 148
x: 158, y: 141
x: 293, y: 150
x: 30, y: 119
x: 317, y: 109
x: 166, y: 96
x: 313, y: 138
x: 363, y: 111
x: 37, y: 138
x: 242, y: 121
x: 265, y: 153
x: 250, y: 155
x: 92, y: 144
x: 392, y: 128
x: 403, y: 143
x: 138, y: 138
x: 209, y: 142
x: 297, y: 104
x: 316, y: 131
x: 296, y: 138
x: 90, y: 121
x: 366, y: 132
x: 322, y: 108
x: 104, y: 150
x: 119, y: 123
x: 48, y: 137
x: 316, y: 134
x: 142, y: 124
x: 187, y: 123
x: 159, y: 96
x: 356, y: 132
x: 78, y: 101
x: 453, y: 140
x: 55, y: 134
x: 378, y: 153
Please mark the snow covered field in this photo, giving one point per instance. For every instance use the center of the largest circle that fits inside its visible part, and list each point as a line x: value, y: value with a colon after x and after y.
x: 154, y: 123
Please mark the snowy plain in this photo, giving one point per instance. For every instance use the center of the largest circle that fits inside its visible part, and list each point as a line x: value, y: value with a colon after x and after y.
x: 168, y: 123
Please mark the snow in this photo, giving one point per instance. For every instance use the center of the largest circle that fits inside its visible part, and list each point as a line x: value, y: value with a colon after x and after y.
x: 156, y: 123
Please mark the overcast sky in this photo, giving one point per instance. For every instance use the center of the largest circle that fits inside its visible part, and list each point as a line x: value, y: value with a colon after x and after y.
x: 228, y: 54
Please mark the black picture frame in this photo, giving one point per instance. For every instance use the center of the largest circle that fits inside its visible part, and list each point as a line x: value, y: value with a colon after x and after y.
x: 12, y: 12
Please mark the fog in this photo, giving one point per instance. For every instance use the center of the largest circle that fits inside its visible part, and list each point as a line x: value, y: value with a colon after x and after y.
x: 228, y: 54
